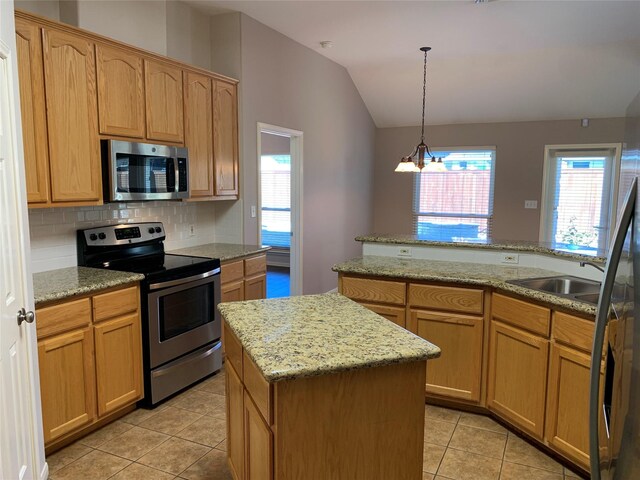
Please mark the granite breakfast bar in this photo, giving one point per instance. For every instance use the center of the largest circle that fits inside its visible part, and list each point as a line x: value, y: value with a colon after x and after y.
x: 319, y: 387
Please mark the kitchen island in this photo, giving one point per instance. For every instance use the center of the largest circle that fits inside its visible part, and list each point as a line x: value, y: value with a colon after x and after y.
x: 319, y: 387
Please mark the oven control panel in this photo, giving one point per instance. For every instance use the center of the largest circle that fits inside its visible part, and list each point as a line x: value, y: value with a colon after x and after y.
x: 124, y: 234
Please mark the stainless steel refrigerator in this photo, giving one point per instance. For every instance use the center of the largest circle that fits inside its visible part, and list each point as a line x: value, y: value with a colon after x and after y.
x: 614, y: 412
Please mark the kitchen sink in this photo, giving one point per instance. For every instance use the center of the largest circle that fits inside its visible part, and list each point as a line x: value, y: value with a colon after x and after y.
x: 565, y: 286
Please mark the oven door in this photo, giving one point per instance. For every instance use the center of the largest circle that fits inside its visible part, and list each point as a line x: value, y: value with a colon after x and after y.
x: 182, y: 316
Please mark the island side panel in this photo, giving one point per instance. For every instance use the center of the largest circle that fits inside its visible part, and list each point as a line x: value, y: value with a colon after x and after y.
x: 358, y: 424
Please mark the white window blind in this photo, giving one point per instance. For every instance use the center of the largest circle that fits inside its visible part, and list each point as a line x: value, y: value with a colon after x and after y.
x: 456, y: 205
x: 577, y: 205
x: 275, y: 178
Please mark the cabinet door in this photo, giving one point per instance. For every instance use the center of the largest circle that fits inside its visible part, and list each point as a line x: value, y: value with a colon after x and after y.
x: 567, y: 425
x: 34, y: 118
x: 163, y: 94
x: 258, y: 443
x: 255, y: 287
x: 393, y: 314
x: 118, y: 362
x: 232, y: 291
x: 72, y: 118
x: 518, y: 377
x: 235, y: 422
x: 457, y: 373
x: 120, y: 92
x: 67, y: 382
x: 198, y: 133
x: 225, y: 138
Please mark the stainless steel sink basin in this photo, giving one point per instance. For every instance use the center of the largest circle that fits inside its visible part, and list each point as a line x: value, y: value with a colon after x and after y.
x: 564, y: 285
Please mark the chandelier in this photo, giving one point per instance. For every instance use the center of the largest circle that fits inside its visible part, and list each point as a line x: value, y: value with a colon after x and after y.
x: 417, y: 160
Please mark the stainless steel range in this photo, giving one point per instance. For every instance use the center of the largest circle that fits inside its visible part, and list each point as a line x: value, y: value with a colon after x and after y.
x: 181, y: 326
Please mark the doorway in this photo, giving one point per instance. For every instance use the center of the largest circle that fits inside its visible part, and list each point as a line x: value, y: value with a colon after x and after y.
x: 279, y: 207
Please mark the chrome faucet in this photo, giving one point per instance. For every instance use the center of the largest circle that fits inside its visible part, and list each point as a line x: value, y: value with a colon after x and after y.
x: 594, y: 265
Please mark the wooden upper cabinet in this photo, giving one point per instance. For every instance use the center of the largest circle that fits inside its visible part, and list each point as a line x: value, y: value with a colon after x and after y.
x: 198, y: 133
x: 72, y: 118
x: 120, y: 92
x: 225, y: 138
x: 34, y: 116
x: 164, y: 103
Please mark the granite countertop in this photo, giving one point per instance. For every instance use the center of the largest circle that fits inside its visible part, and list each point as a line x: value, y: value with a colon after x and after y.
x: 312, y: 335
x: 223, y: 251
x: 67, y: 282
x: 514, y: 245
x: 463, y: 273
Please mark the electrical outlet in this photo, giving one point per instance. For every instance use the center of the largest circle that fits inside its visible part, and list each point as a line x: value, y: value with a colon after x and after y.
x: 404, y: 252
x: 531, y: 204
x: 192, y: 230
x: 253, y: 211
x: 510, y: 258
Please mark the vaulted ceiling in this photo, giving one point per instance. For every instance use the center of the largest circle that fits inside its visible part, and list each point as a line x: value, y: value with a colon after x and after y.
x: 495, y: 61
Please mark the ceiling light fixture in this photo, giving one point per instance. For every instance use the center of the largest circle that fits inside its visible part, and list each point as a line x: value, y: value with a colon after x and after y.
x: 415, y: 162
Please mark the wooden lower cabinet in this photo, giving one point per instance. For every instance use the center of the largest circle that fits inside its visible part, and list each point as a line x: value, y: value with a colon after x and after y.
x: 244, y: 279
x: 90, y: 371
x: 391, y: 313
x: 233, y: 291
x: 457, y: 373
x: 255, y: 287
x: 518, y: 377
x: 235, y: 422
x: 258, y: 443
x: 67, y: 382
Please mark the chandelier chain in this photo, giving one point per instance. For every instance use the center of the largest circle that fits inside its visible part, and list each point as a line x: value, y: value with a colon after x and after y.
x: 424, y: 92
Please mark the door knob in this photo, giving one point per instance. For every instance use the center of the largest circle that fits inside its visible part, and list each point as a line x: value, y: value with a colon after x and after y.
x: 24, y: 316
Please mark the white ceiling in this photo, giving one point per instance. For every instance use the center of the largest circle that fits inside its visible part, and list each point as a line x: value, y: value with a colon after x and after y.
x: 491, y: 62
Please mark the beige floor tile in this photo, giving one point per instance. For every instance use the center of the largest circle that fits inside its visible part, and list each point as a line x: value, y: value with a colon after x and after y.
x: 94, y: 465
x: 440, y: 413
x: 438, y: 432
x: 105, y: 434
x: 427, y: 476
x: 213, y: 466
x: 459, y: 465
x: 139, y: 415
x: 215, y: 384
x: 571, y: 474
x: 67, y: 455
x: 134, y: 443
x: 481, y: 421
x: 431, y: 457
x: 174, y: 456
x: 208, y: 431
x: 513, y: 471
x: 170, y: 420
x: 135, y: 471
x: 520, y: 452
x: 201, y: 402
x: 222, y: 446
x: 477, y: 440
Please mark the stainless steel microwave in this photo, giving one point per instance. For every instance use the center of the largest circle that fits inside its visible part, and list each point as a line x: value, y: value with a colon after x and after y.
x: 142, y: 171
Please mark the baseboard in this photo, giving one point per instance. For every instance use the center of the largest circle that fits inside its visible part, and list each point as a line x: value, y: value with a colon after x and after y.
x: 333, y: 290
x: 44, y: 473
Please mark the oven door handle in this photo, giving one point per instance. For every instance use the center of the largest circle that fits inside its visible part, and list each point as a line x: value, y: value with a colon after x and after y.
x: 181, y: 281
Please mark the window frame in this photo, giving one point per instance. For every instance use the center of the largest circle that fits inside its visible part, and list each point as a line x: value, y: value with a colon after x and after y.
x: 416, y: 189
x: 546, y: 215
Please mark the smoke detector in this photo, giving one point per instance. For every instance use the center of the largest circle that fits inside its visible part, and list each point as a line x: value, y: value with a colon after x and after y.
x: 326, y: 44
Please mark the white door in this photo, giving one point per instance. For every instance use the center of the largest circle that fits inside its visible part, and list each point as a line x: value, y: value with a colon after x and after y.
x: 21, y: 446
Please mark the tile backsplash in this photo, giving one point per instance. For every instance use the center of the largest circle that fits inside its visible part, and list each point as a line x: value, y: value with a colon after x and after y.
x: 53, y: 230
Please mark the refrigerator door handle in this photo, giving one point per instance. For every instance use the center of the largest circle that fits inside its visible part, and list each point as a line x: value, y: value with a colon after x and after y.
x: 602, y: 318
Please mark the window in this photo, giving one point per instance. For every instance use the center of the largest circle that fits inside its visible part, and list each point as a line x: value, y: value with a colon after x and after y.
x: 578, y: 204
x: 275, y: 173
x: 456, y: 205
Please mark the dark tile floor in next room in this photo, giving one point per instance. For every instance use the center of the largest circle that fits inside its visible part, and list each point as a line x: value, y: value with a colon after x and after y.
x: 277, y: 282
x: 185, y: 438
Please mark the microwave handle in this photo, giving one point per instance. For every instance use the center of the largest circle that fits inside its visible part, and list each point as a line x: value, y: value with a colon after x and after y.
x: 176, y: 174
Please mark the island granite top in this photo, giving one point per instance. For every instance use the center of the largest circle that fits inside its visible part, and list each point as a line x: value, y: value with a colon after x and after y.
x: 68, y: 282
x: 312, y: 335
x: 223, y: 251
x: 514, y: 245
x: 464, y: 273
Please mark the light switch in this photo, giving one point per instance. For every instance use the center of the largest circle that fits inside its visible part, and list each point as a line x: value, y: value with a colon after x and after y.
x: 530, y: 204
x: 253, y: 211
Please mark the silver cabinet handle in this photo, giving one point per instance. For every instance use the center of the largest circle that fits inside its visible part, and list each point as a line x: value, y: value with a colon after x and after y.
x: 24, y: 316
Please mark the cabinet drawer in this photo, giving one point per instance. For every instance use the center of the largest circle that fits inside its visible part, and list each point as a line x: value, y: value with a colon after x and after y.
x: 573, y: 331
x: 232, y: 349
x: 232, y: 271
x: 259, y: 389
x: 452, y: 299
x: 255, y: 266
x: 113, y: 304
x: 382, y: 291
x: 63, y: 317
x: 521, y: 314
